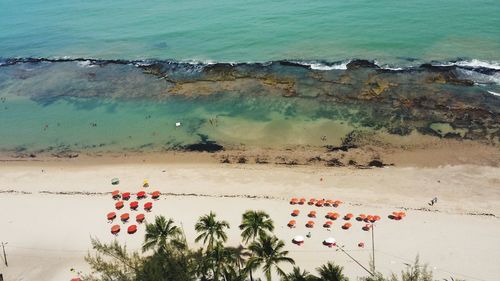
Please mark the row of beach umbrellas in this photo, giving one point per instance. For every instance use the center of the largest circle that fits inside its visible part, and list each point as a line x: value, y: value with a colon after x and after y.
x: 316, y: 202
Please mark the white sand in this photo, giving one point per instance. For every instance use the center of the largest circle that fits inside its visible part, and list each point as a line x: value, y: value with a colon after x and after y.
x: 49, y: 233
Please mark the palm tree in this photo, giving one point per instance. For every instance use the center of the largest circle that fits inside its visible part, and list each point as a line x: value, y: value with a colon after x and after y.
x: 159, y: 234
x: 268, y: 253
x: 298, y: 275
x: 331, y: 272
x: 210, y: 229
x: 255, y: 223
x: 241, y: 255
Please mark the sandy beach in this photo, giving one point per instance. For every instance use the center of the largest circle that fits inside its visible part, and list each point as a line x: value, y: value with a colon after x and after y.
x: 52, y: 208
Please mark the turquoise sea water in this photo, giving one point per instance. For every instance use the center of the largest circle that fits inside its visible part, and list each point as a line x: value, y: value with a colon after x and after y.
x: 235, y: 30
x: 133, y: 104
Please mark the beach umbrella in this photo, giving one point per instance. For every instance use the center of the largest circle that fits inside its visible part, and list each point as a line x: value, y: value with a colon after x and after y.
x: 366, y: 227
x: 327, y: 224
x: 111, y: 216
x: 328, y: 202
x: 295, y: 213
x: 124, y: 217
x: 346, y: 225
x: 139, y: 218
x: 361, y: 217
x: 312, y: 214
x: 294, y: 201
x: 361, y: 244
x: 368, y: 218
x: 132, y: 229
x: 376, y: 218
x: 336, y: 203
x: 148, y: 206
x: 310, y: 224
x: 76, y: 279
x: 126, y: 195
x: 291, y: 223
x: 115, y: 194
x: 119, y: 205
x: 115, y: 181
x: 298, y: 240
x: 320, y: 203
x: 311, y: 201
x: 348, y: 216
x: 302, y: 201
x: 155, y: 195
x: 145, y: 183
x: 115, y: 229
x: 330, y: 241
x: 141, y: 194
x: 134, y: 205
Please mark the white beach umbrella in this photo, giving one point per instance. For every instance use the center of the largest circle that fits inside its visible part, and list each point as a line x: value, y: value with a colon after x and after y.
x: 329, y: 241
x: 298, y: 239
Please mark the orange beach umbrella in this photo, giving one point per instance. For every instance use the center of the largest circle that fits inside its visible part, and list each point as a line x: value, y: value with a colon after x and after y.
x: 295, y: 213
x: 134, y: 205
x: 115, y: 229
x: 139, y: 218
x: 111, y: 216
x: 132, y: 229
x: 311, y: 201
x: 115, y: 194
x: 291, y: 223
x: 155, y: 194
x: 348, y: 216
x: 119, y: 205
x: 312, y: 214
x: 141, y: 194
x: 310, y: 224
x: 302, y: 201
x: 124, y: 217
x: 327, y: 224
x: 346, y: 225
x: 148, y: 206
x: 126, y: 195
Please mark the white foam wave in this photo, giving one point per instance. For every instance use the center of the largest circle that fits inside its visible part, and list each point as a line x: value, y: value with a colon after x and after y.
x: 494, y: 93
x: 474, y: 63
x: 324, y: 67
x: 85, y: 63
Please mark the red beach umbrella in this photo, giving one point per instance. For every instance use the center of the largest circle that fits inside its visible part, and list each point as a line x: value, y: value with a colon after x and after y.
x: 76, y: 279
x: 115, y: 229
x: 141, y: 194
x: 320, y: 203
x: 132, y: 229
x: 115, y: 194
x: 134, y: 205
x: 155, y: 195
x: 126, y: 195
x: 348, y: 216
x: 119, y: 205
x: 139, y: 218
x: 111, y: 216
x: 148, y: 206
x: 124, y: 217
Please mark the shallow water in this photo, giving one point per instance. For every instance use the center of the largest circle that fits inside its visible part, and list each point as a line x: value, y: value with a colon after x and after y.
x: 103, y: 106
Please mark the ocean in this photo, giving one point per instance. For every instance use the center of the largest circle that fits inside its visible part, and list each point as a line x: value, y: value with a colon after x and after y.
x: 116, y: 76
